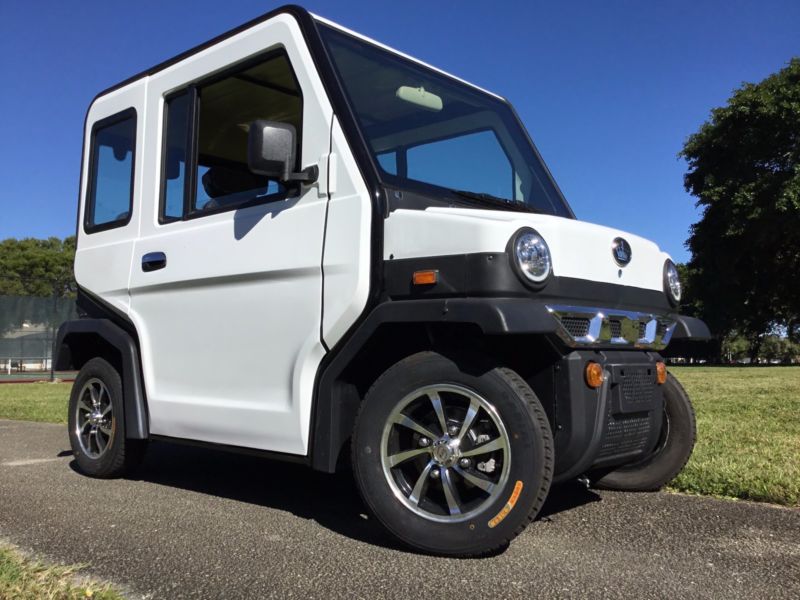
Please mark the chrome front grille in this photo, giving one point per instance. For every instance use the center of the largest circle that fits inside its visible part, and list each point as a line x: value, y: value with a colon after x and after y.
x: 589, y: 326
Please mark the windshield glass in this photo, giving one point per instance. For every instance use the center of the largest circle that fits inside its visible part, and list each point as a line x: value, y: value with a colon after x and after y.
x: 433, y: 134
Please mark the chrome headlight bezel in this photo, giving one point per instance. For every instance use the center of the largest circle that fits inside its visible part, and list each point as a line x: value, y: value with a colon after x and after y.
x: 673, y: 287
x: 536, y: 275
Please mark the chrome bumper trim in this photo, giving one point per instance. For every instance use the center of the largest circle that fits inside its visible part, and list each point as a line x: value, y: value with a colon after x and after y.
x: 614, y: 327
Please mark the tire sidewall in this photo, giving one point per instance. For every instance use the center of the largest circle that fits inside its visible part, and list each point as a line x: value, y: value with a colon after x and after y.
x: 109, y: 462
x: 527, y: 451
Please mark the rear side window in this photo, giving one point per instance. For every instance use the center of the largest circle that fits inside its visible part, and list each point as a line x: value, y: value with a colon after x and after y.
x: 110, y: 197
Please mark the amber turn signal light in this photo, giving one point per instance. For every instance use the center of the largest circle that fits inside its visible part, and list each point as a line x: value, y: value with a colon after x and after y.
x: 594, y: 375
x: 661, y: 373
x: 425, y: 277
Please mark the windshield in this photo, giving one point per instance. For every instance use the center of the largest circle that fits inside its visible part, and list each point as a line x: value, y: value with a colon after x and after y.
x: 433, y: 134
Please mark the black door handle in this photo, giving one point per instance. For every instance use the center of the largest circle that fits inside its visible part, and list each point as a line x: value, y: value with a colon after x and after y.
x: 152, y: 261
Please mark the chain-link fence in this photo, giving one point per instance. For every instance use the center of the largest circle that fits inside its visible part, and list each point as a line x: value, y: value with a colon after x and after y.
x: 28, y: 325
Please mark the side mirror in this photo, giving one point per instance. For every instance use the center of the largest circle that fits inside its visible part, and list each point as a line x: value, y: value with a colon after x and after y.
x: 271, y: 152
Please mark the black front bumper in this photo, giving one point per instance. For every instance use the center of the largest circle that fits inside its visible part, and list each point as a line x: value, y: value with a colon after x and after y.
x: 616, y: 424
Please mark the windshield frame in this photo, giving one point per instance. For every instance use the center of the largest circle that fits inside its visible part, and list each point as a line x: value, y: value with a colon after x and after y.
x: 438, y: 194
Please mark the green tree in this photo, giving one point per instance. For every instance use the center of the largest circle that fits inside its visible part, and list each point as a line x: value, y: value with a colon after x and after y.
x: 744, y: 169
x: 34, y: 267
x: 36, y: 281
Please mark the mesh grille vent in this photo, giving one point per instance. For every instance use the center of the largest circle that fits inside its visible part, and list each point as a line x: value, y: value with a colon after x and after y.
x: 576, y: 326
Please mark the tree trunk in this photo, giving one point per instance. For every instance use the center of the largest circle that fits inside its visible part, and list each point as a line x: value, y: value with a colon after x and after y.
x: 755, y: 348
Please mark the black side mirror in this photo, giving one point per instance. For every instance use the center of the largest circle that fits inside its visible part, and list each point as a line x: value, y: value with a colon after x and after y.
x: 271, y: 152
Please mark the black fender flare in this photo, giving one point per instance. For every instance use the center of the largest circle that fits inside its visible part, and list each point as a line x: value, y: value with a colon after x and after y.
x: 71, y: 346
x: 334, y: 409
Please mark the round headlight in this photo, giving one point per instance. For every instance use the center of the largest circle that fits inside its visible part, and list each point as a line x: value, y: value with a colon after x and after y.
x: 532, y: 256
x: 672, y: 282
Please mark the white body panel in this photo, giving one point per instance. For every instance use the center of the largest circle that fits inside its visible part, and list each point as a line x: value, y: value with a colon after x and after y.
x: 347, y: 243
x: 103, y: 259
x: 580, y: 250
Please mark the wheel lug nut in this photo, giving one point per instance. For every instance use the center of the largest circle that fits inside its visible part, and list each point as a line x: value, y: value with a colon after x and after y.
x: 464, y: 463
x: 424, y: 442
x: 452, y: 430
x: 435, y: 474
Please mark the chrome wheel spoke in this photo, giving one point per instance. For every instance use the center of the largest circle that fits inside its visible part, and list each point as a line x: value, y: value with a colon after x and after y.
x: 83, y: 406
x: 400, y: 457
x: 101, y: 443
x: 105, y: 429
x: 450, y: 492
x: 496, y: 444
x: 106, y: 410
x: 406, y: 421
x: 93, y: 395
x: 472, y: 411
x: 439, y: 410
x: 486, y: 485
x: 419, y: 487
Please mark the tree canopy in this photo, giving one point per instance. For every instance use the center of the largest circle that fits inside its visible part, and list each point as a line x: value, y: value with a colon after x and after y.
x: 34, y: 267
x: 744, y: 169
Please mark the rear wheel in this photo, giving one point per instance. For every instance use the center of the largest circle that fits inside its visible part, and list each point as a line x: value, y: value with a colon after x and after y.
x: 672, y: 452
x: 451, y: 461
x: 96, y: 423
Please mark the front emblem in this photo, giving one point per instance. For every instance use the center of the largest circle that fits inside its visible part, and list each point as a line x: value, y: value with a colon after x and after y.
x: 621, y: 250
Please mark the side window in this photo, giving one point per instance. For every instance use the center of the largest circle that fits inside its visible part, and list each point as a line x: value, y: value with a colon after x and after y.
x: 205, y: 148
x: 176, y: 139
x: 475, y: 162
x: 110, y: 192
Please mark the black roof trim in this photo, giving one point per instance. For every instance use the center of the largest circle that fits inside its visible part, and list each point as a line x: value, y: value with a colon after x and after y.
x: 300, y: 13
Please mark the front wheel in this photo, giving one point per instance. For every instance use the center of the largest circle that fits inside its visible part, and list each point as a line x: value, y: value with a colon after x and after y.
x: 672, y: 452
x: 451, y: 460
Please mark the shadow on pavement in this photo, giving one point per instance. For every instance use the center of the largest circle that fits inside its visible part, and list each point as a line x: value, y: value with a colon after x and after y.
x: 331, y: 500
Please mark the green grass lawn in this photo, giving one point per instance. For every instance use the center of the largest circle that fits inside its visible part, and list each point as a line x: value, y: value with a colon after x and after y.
x: 46, y: 402
x: 748, y: 428
x: 748, y: 433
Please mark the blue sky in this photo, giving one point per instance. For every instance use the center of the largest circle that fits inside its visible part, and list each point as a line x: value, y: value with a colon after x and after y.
x: 608, y: 90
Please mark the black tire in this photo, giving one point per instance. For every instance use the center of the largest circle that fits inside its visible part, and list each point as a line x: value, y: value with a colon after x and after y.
x: 100, y: 450
x: 678, y: 435
x: 509, y: 410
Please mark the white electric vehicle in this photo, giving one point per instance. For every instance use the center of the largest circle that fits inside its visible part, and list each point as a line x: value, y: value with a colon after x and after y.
x: 295, y: 240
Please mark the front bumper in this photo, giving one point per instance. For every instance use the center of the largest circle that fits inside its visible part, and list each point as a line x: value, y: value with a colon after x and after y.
x: 617, y: 424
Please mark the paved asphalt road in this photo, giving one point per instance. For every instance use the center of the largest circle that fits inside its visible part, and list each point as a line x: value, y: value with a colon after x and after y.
x: 199, y: 523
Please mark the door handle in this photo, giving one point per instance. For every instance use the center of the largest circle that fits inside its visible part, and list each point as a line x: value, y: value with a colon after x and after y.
x: 152, y: 261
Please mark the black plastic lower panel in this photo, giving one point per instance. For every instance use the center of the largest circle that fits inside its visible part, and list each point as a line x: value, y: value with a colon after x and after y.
x: 616, y: 424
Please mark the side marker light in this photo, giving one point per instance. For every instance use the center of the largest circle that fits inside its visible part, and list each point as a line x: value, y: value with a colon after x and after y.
x: 661, y: 373
x: 594, y: 375
x: 425, y: 277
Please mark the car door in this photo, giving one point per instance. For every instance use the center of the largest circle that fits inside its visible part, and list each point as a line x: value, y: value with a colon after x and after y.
x: 226, y: 278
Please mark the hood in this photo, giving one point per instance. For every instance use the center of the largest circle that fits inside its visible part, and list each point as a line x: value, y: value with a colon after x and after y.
x: 580, y: 250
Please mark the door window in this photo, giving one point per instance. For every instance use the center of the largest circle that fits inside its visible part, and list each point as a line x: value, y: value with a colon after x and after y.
x: 212, y: 119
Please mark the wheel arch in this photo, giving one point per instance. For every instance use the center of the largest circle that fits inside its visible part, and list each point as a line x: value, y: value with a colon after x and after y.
x: 80, y: 340
x: 457, y: 327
